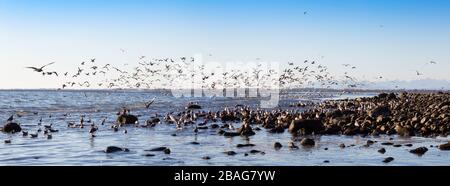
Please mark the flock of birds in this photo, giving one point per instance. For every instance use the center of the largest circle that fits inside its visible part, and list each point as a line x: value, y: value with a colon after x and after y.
x: 166, y: 72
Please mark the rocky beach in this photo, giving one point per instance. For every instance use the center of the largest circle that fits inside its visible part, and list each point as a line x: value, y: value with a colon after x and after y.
x: 384, y: 122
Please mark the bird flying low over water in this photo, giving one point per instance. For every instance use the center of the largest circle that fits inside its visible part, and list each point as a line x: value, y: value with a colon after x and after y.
x: 41, y: 69
x: 148, y: 104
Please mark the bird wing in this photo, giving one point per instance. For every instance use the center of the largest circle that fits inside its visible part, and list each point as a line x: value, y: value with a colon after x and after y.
x: 147, y: 105
x: 48, y: 65
x: 34, y: 68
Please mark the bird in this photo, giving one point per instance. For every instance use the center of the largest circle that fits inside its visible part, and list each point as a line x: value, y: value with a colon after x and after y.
x: 41, y: 69
x: 433, y: 62
x: 92, y: 60
x: 418, y: 73
x: 305, y: 12
x: 148, y: 104
x: 10, y: 119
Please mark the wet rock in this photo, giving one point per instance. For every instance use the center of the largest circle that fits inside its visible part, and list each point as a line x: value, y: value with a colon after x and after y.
x: 397, y: 145
x: 419, y: 151
x: 202, y: 128
x: 388, y: 160
x: 387, y: 143
x: 382, y: 150
x: 445, y: 146
x: 408, y: 145
x: 255, y: 152
x: 11, y: 127
x: 277, y: 145
x: 307, y: 142
x: 325, y: 149
x: 127, y: 119
x: 277, y: 130
x: 149, y: 155
x: 369, y: 142
x: 167, y: 151
x: 244, y: 145
x: 305, y: 126
x: 195, y: 143
x: 7, y: 141
x: 230, y: 153
x: 193, y: 107
x: 113, y: 149
x: 342, y: 145
x: 326, y: 161
x: 173, y: 134
x: 206, y: 157
x: 221, y: 132
x: 231, y: 134
x: 215, y: 126
x: 157, y: 149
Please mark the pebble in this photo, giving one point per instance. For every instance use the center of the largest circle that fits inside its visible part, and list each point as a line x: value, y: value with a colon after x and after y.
x: 382, y: 150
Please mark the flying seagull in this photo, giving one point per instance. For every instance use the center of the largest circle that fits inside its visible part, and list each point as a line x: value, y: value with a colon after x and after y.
x: 40, y: 69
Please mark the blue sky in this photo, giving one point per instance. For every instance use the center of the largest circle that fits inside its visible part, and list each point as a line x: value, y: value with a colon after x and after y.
x: 413, y: 32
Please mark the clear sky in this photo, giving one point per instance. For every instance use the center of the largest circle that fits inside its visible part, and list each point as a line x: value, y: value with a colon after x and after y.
x: 392, y: 38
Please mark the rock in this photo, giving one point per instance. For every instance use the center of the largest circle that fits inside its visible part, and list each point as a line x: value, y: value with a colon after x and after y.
x: 397, y: 145
x: 369, y: 142
x: 221, y: 132
x: 244, y: 145
x: 277, y: 145
x: 127, y: 119
x: 255, y: 152
x: 387, y: 143
x: 382, y: 150
x: 307, y: 142
x: 380, y: 110
x: 214, y: 126
x: 193, y: 107
x: 277, y: 130
x: 113, y: 149
x: 231, y: 134
x: 195, y: 143
x: 409, y: 145
x: 173, y: 134
x: 325, y: 149
x: 342, y: 145
x: 419, y: 151
x: 206, y: 157
x: 149, y: 155
x: 388, y: 159
x: 306, y: 126
x: 157, y: 149
x: 326, y: 161
x: 7, y: 141
x: 11, y: 128
x: 230, y: 153
x: 167, y: 151
x: 445, y: 146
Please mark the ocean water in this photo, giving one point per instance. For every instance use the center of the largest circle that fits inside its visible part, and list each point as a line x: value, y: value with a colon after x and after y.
x: 72, y: 146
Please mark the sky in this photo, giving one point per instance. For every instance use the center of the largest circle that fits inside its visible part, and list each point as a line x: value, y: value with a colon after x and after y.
x: 385, y: 38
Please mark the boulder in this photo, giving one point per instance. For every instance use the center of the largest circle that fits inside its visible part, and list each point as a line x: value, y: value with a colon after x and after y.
x: 11, y: 128
x: 306, y: 126
x: 445, y: 146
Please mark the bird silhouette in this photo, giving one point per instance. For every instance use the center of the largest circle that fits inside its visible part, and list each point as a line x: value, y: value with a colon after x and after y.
x: 41, y: 69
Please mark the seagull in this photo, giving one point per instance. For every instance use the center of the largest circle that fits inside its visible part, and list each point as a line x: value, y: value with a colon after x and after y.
x: 305, y: 12
x: 148, y: 104
x: 418, y: 73
x: 93, y: 60
x: 40, y: 69
x: 433, y: 62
